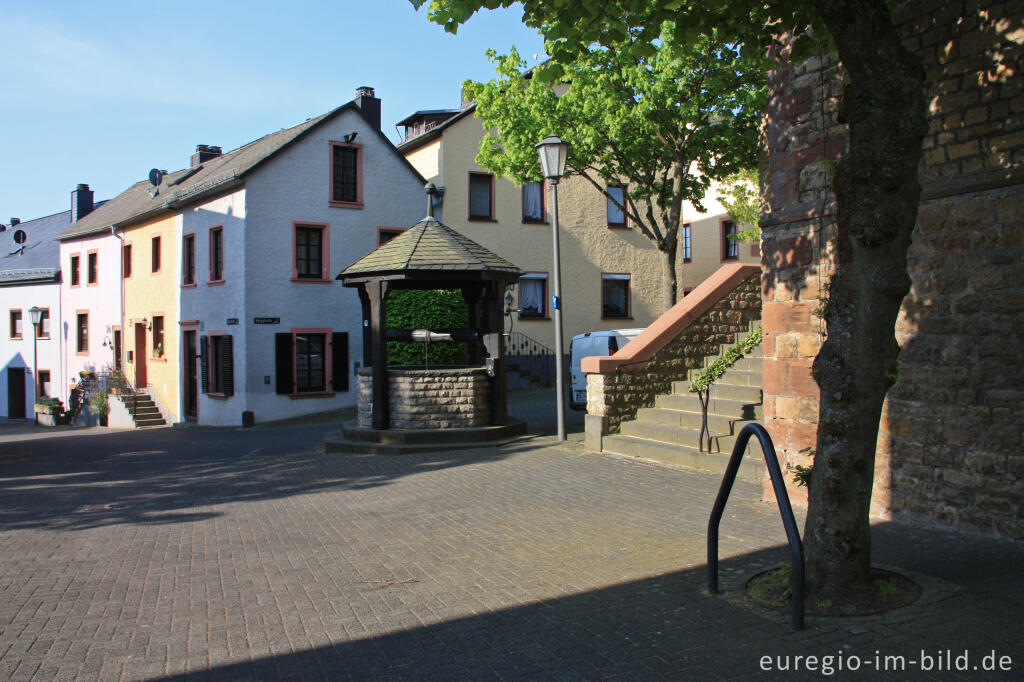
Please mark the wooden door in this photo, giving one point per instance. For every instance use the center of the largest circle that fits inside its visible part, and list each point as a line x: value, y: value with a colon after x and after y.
x: 16, y: 392
x: 140, y: 356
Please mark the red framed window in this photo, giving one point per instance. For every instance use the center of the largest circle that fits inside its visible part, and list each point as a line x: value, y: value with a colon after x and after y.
x: 216, y: 254
x: 616, y: 204
x: 311, y: 252
x: 687, y: 243
x: 346, y: 176
x: 188, y: 260
x: 730, y: 247
x: 615, y: 295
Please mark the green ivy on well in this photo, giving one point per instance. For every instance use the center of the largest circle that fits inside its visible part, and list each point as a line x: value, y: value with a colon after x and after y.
x: 726, y: 360
x: 431, y: 309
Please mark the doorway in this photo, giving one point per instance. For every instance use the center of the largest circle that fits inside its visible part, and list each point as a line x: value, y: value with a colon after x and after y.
x: 140, y: 356
x: 190, y: 375
x: 15, y: 392
x: 117, y: 350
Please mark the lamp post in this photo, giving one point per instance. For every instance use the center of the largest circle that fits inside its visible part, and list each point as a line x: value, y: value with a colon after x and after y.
x: 37, y: 316
x: 553, y: 152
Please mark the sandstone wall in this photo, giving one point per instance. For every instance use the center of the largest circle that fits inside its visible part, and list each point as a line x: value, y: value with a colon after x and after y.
x: 430, y: 399
x: 950, y: 443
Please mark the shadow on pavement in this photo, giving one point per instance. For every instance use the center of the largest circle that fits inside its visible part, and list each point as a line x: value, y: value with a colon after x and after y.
x: 667, y: 627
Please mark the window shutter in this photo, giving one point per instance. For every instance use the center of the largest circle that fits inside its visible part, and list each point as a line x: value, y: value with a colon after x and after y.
x: 204, y: 363
x: 339, y: 363
x: 283, y: 349
x: 227, y: 365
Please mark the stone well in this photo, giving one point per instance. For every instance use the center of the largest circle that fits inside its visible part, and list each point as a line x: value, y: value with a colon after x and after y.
x: 440, y: 397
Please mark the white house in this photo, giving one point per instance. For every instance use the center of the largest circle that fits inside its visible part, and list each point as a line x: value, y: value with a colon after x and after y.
x: 30, y: 277
x: 258, y: 327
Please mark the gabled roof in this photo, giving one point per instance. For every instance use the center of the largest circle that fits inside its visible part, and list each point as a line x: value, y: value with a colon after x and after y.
x: 429, y: 245
x: 435, y: 132
x: 38, y: 258
x: 213, y: 176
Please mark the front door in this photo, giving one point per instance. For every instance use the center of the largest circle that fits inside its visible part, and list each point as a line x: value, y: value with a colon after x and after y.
x: 140, y: 356
x: 117, y: 349
x: 190, y: 376
x: 16, y: 392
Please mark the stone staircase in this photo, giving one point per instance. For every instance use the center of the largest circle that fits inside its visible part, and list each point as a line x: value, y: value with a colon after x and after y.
x: 143, y: 410
x: 669, y: 431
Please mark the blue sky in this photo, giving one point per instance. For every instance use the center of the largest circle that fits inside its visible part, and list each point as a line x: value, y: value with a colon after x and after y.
x: 102, y: 92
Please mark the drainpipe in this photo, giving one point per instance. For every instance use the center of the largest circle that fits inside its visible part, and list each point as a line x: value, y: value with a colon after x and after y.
x: 113, y: 231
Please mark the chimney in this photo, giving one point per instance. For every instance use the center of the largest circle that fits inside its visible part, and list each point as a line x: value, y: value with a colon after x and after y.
x: 369, y: 105
x: 81, y: 202
x: 205, y: 152
x: 15, y: 221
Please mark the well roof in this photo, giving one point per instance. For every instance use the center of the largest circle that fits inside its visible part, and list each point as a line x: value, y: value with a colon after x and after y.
x: 429, y: 246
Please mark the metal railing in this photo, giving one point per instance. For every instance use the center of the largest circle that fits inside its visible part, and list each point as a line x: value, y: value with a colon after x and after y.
x: 91, y: 383
x: 796, y: 548
x: 530, y: 356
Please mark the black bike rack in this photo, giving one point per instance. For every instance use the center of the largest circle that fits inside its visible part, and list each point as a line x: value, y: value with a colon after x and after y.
x: 796, y: 548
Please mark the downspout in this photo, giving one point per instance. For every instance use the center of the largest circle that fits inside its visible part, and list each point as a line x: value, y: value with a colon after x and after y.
x: 113, y: 231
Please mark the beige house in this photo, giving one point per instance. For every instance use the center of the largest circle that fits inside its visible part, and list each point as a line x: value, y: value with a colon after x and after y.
x: 611, y: 273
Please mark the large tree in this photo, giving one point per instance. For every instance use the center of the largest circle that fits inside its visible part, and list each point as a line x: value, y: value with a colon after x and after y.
x: 877, y: 196
x: 666, y: 122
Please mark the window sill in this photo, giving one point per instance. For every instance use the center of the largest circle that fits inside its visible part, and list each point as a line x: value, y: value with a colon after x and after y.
x: 311, y: 280
x: 191, y: 285
x: 345, y: 204
x: 158, y: 358
x: 217, y: 396
x: 17, y: 338
x: 311, y: 394
x: 481, y: 219
x: 82, y: 353
x: 730, y: 259
x: 535, y: 222
x: 687, y: 260
x: 43, y: 338
x: 91, y: 284
x: 214, y: 282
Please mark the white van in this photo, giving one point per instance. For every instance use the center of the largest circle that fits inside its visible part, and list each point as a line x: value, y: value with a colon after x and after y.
x: 601, y: 343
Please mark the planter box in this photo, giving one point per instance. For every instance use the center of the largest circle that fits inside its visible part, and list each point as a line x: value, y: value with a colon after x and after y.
x: 48, y: 409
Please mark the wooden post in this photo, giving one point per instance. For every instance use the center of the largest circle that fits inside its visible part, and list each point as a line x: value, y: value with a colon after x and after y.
x: 377, y: 294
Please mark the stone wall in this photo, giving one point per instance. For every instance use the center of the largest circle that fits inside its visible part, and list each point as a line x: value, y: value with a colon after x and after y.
x: 436, y: 398
x: 614, y: 397
x: 950, y: 442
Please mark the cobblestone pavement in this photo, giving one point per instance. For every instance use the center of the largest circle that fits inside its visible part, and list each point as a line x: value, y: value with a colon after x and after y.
x: 251, y: 555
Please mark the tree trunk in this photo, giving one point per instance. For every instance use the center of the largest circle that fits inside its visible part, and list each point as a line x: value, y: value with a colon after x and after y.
x: 877, y: 195
x: 669, y: 286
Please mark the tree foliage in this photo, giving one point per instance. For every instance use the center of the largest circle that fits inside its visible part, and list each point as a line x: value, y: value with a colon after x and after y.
x: 742, y: 201
x: 666, y: 120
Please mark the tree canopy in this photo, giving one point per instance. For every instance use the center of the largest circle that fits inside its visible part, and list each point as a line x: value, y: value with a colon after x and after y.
x: 665, y: 124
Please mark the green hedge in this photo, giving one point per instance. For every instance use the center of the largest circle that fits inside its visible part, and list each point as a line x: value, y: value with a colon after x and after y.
x: 431, y: 309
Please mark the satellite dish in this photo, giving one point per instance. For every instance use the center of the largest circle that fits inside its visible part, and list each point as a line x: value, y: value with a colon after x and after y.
x: 155, y: 176
x: 20, y: 236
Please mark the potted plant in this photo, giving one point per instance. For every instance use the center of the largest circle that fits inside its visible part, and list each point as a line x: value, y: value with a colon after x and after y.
x: 101, y: 405
x: 46, y: 405
x: 159, y: 350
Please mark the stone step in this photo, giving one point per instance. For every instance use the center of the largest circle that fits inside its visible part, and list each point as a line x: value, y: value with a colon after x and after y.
x: 149, y: 421
x: 735, y: 409
x: 723, y: 435
x: 733, y: 377
x: 680, y: 419
x: 679, y: 455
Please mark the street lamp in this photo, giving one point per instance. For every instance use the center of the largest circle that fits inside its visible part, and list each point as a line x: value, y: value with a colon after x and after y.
x: 37, y: 315
x: 553, y: 152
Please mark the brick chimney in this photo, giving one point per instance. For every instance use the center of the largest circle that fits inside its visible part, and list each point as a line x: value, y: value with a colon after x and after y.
x: 205, y: 152
x: 81, y: 202
x: 369, y: 105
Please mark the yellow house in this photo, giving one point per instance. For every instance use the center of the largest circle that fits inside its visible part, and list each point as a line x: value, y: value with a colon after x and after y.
x: 151, y: 273
x: 611, y: 273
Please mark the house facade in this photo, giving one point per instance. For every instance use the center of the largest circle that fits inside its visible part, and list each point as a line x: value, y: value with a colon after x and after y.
x: 611, y: 273
x: 30, y: 277
x: 231, y: 311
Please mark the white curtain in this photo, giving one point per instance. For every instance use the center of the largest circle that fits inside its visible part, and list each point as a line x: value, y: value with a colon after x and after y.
x: 533, y: 203
x: 531, y: 296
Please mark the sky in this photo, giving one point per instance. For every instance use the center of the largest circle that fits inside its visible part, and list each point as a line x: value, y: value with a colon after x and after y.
x: 101, y: 92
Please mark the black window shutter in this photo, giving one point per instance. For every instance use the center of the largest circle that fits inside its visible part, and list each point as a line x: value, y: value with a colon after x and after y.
x: 227, y: 366
x: 204, y: 363
x: 339, y: 365
x: 283, y: 351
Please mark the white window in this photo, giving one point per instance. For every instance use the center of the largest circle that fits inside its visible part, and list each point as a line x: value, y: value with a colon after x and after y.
x: 533, y: 289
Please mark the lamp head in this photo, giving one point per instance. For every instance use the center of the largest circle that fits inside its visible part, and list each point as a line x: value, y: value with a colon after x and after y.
x: 553, y: 153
